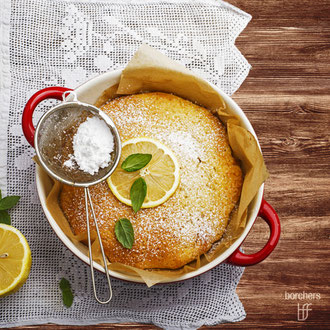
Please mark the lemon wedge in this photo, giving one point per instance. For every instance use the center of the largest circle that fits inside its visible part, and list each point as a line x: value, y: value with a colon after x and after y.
x: 161, y: 173
x: 15, y: 259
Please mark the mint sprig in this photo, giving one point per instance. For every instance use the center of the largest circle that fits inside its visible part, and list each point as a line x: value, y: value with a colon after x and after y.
x: 124, y: 233
x: 135, y: 162
x: 5, y: 217
x: 67, y: 295
x: 8, y: 202
x: 5, y: 204
x: 138, y: 193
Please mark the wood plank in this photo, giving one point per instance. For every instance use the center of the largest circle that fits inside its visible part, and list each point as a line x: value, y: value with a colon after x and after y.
x: 295, y: 13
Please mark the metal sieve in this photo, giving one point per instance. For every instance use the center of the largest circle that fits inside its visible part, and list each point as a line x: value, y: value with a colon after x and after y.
x: 52, y: 141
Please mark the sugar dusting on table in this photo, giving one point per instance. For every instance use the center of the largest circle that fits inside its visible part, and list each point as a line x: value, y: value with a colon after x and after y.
x: 92, y: 144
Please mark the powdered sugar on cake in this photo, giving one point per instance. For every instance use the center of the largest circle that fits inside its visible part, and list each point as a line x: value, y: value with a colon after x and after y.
x: 184, y: 143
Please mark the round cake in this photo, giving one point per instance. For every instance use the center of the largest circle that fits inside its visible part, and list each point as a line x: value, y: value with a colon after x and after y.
x: 196, y: 215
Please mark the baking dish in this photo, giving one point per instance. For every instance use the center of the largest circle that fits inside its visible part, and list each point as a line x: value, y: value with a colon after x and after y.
x: 89, y: 92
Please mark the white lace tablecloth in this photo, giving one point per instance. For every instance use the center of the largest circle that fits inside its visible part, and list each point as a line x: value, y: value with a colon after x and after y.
x: 50, y: 42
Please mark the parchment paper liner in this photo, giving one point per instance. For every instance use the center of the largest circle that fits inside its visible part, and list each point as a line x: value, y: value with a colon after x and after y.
x: 150, y: 70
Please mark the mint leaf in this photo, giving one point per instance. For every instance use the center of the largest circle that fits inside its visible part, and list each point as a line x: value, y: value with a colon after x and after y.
x: 135, y: 162
x: 8, y: 202
x: 67, y: 295
x: 5, y: 217
x: 138, y: 193
x: 124, y: 233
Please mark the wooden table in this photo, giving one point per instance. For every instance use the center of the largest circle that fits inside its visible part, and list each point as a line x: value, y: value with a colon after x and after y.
x: 287, y: 99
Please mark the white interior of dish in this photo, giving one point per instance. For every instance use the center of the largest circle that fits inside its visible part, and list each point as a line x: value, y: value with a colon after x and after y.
x: 89, y: 93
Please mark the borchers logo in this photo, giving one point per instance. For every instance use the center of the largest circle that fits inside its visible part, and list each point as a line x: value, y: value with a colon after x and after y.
x: 303, y: 309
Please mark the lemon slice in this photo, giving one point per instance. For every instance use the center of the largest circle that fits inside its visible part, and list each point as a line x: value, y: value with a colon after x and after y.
x: 161, y: 173
x: 15, y: 259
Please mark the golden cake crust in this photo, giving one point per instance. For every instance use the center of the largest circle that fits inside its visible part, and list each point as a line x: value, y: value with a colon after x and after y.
x: 185, y: 226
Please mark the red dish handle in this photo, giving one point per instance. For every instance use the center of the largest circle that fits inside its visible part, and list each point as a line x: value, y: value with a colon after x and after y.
x: 267, y: 213
x: 55, y: 92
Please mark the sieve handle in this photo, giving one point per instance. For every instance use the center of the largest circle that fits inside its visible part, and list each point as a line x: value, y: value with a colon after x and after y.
x: 55, y: 92
x: 91, y: 262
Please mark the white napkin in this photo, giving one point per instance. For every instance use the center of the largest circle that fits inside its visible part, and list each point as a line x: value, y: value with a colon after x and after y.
x: 50, y: 42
